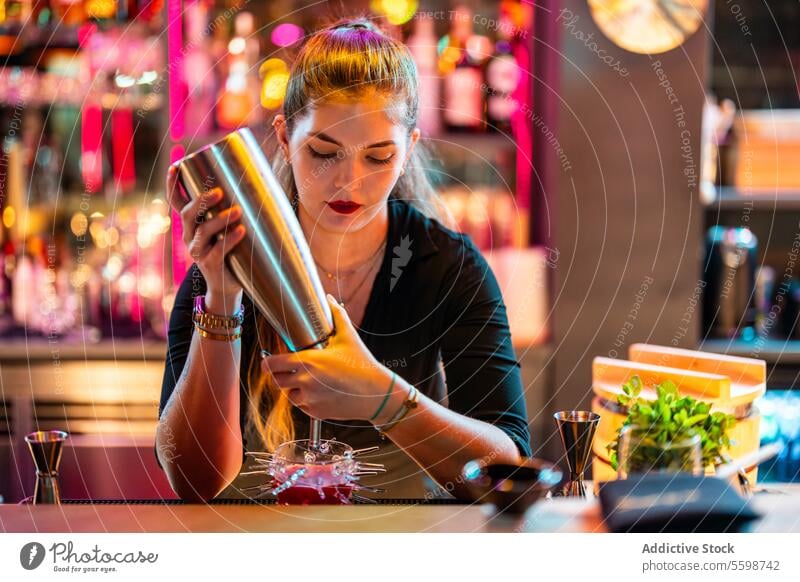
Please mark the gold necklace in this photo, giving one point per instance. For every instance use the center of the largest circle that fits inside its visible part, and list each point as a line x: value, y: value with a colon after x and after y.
x: 353, y: 293
x: 345, y: 274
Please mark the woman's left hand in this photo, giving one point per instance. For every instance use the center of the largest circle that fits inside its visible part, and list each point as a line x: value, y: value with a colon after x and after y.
x: 343, y: 381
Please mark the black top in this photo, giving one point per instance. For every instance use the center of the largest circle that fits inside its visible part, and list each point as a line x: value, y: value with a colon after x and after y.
x: 434, y: 298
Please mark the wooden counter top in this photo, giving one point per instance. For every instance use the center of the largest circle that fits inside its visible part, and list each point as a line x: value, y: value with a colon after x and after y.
x: 37, y: 349
x: 244, y: 518
x: 781, y: 511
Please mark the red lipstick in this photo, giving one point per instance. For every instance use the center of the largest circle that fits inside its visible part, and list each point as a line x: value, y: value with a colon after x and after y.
x: 344, y: 206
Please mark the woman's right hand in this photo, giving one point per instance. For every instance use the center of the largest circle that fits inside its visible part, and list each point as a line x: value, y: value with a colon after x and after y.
x: 208, y: 240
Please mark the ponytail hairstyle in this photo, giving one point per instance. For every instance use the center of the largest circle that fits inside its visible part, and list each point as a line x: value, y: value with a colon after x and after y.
x: 351, y: 59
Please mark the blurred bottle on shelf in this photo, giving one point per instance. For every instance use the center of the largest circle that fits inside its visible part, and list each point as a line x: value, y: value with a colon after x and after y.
x: 7, y: 266
x: 10, y: 12
x: 41, y: 161
x: 92, y: 144
x: 502, y: 77
x: 789, y: 312
x: 28, y: 284
x: 729, y: 296
x: 127, y: 10
x: 238, y: 100
x: 10, y: 165
x: 765, y: 285
x: 150, y: 11
x: 487, y: 214
x: 24, y: 12
x: 199, y: 72
x: 101, y: 10
x: 122, y: 148
x: 463, y: 78
x: 68, y: 12
x: 422, y: 44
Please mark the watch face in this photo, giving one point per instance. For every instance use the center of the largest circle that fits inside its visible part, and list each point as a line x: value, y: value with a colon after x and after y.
x: 648, y: 26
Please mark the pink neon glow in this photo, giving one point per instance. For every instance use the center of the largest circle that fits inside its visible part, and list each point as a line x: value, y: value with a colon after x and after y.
x: 85, y: 32
x: 179, y: 264
x: 177, y: 84
x: 92, y: 147
x: 286, y: 34
x: 122, y: 153
x: 521, y: 128
x: 178, y: 92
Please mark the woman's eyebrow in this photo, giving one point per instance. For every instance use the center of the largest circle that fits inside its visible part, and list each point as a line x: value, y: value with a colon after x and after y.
x: 325, y: 137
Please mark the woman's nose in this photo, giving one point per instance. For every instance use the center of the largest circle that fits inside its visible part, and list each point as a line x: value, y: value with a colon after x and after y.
x: 350, y: 175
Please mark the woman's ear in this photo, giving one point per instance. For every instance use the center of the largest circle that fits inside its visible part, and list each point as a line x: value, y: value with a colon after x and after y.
x: 279, y: 125
x: 413, y: 138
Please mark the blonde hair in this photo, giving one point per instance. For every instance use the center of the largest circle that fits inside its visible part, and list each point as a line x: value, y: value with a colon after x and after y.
x: 347, y: 60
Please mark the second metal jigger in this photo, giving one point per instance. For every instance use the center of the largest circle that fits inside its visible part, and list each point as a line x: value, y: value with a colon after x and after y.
x: 46, y: 448
x: 273, y: 263
x: 576, y: 428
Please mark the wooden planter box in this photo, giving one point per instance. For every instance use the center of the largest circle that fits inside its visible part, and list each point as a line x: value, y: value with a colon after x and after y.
x: 730, y: 384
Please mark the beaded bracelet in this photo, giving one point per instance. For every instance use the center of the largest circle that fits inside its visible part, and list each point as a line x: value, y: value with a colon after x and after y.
x: 411, y: 402
x: 385, y: 398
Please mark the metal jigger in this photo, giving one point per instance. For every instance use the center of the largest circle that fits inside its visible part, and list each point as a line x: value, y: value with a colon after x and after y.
x: 273, y: 263
x: 576, y: 428
x: 46, y: 447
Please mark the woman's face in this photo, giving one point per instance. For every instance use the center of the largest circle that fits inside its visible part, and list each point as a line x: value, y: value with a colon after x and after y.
x: 346, y: 158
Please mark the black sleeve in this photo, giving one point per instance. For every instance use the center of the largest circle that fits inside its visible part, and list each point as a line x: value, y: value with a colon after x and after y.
x: 482, y: 373
x: 179, y: 339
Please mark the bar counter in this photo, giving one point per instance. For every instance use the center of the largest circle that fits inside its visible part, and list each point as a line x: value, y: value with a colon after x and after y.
x: 780, y: 507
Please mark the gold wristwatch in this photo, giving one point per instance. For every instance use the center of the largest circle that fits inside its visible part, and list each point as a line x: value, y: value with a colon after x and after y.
x: 212, y: 320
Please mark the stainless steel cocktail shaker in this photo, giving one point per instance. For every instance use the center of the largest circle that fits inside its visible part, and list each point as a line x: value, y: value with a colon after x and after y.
x: 273, y: 263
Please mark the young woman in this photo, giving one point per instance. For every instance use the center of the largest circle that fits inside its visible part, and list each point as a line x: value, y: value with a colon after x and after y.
x: 418, y: 313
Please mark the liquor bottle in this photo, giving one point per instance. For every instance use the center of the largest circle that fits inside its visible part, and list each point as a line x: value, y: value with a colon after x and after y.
x: 8, y: 261
x: 11, y: 181
x: 92, y: 145
x: 45, y: 184
x: 127, y: 11
x: 198, y: 72
x: 24, y: 12
x: 68, y: 12
x: 463, y: 85
x: 502, y: 77
x: 101, y: 10
x: 422, y: 44
x: 12, y: 12
x: 123, y: 153
x: 236, y: 105
x: 29, y: 285
x: 245, y: 26
x: 149, y: 11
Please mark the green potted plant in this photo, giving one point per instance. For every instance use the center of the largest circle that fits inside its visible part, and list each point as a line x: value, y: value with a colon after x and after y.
x: 672, y: 433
